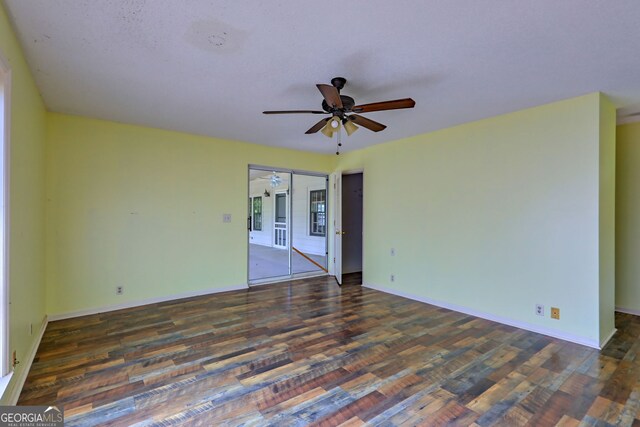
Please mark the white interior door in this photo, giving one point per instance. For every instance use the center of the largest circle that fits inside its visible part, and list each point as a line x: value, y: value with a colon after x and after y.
x: 337, y: 222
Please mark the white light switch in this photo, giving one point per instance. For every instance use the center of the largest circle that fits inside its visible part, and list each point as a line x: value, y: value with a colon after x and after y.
x: 226, y: 217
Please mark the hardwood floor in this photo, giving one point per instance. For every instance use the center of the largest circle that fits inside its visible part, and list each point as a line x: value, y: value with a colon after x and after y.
x: 310, y: 352
x: 352, y: 279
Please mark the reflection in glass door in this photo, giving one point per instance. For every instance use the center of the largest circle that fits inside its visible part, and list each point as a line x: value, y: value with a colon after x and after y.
x: 280, y: 223
x: 287, y: 224
x: 309, y: 226
x: 269, y: 257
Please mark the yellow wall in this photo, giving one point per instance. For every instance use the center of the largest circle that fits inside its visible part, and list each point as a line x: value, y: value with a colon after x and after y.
x: 492, y: 216
x: 628, y: 218
x: 27, y: 201
x: 142, y: 208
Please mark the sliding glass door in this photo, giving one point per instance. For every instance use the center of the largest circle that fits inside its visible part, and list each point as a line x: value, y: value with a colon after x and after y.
x: 309, y: 228
x: 287, y: 224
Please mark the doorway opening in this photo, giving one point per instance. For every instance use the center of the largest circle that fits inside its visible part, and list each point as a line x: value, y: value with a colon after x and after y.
x: 287, y: 224
x: 352, y: 214
x: 5, y: 86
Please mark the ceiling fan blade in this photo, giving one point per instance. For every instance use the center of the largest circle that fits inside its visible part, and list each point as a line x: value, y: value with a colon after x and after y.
x: 396, y: 104
x: 315, y: 128
x: 369, y: 124
x: 295, y: 112
x: 331, y: 95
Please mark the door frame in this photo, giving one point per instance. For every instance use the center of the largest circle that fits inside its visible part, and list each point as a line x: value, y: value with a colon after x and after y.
x: 290, y: 276
x: 337, y: 226
x: 337, y: 222
x: 6, y: 366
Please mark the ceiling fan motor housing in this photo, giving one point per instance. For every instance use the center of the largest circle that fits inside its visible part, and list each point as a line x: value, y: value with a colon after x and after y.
x: 347, y: 104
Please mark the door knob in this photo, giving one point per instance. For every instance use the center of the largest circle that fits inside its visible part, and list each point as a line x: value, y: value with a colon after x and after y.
x: 338, y: 232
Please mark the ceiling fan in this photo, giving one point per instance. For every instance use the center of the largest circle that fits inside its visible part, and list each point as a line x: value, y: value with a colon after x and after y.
x: 274, y: 178
x: 343, y: 110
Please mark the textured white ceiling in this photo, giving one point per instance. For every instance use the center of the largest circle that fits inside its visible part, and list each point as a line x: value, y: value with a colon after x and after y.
x: 211, y: 67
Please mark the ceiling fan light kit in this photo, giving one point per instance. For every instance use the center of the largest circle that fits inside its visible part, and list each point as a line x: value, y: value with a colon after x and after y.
x: 350, y: 127
x: 327, y: 130
x: 342, y: 109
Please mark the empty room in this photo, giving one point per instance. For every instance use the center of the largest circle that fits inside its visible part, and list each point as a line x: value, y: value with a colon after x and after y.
x: 302, y: 213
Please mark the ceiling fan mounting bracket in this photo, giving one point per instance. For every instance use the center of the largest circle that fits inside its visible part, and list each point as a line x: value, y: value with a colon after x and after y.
x: 338, y: 82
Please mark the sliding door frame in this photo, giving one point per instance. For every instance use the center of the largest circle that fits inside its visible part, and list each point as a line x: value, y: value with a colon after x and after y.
x: 290, y: 242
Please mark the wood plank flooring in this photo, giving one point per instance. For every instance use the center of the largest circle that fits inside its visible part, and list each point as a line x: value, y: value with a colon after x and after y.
x: 352, y: 279
x: 312, y: 353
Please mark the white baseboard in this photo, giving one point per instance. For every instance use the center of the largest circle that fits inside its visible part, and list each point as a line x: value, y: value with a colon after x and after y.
x: 504, y: 320
x: 628, y: 311
x: 138, y: 303
x: 19, y: 380
x: 608, y: 338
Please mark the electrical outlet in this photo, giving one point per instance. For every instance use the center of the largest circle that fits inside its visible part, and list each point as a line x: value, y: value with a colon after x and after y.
x: 392, y: 278
x: 226, y: 217
x: 393, y: 251
x: 540, y: 309
x: 15, y: 359
x: 119, y: 290
x: 555, y: 313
